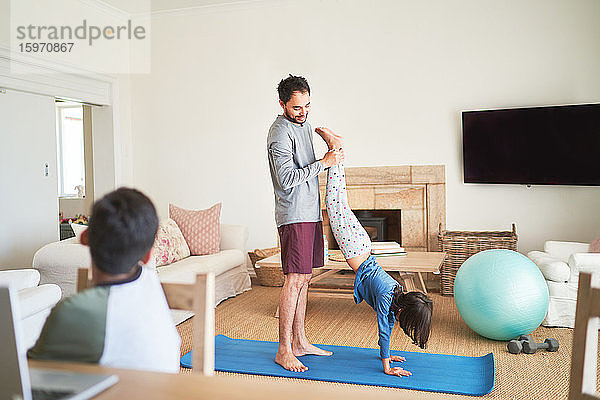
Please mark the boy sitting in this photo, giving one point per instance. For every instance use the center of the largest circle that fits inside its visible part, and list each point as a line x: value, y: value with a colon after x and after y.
x: 124, y: 320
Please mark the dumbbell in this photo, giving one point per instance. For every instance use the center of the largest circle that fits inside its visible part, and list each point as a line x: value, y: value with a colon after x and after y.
x: 530, y: 347
x: 515, y: 346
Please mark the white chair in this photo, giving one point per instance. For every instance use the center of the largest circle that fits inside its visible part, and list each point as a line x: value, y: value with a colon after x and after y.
x: 561, y: 263
x: 35, y: 302
x: 198, y: 297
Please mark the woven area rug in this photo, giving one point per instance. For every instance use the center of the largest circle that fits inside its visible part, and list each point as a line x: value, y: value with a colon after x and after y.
x: 338, y: 321
x: 180, y: 316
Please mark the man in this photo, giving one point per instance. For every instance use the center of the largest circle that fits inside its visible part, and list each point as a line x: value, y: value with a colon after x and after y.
x: 294, y: 172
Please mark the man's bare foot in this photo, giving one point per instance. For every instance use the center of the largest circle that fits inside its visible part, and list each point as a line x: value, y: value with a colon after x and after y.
x: 302, y: 350
x: 334, y: 141
x: 290, y: 362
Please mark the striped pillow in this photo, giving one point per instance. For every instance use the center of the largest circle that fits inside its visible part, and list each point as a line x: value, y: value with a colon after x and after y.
x: 201, y: 228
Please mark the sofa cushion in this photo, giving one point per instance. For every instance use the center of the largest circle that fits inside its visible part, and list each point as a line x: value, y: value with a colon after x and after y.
x: 563, y: 250
x: 170, y: 245
x: 552, y: 268
x: 201, y: 228
x: 184, y: 271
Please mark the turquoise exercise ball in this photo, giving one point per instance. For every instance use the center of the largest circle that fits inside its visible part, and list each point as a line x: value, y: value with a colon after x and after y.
x: 501, y: 294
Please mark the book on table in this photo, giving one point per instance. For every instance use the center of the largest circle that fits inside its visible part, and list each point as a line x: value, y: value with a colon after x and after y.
x: 387, y: 248
x: 402, y: 253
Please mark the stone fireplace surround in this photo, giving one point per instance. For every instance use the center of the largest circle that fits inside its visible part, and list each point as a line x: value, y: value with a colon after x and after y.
x: 419, y: 191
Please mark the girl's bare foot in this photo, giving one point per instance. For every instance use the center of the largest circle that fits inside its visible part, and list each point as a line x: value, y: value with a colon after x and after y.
x: 333, y: 140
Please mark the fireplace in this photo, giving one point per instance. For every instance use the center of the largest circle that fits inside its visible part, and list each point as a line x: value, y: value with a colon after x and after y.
x: 381, y: 225
x: 376, y: 227
x: 386, y: 224
x: 415, y: 194
x: 411, y: 198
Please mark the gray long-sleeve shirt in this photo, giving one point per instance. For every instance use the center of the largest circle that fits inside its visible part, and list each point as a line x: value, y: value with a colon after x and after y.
x: 294, y: 172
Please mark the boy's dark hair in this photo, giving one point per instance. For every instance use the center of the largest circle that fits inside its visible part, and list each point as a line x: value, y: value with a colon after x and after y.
x: 121, y: 230
x: 413, y: 312
x: 290, y: 85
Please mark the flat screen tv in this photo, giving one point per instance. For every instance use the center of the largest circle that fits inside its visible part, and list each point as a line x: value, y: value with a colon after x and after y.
x: 557, y: 145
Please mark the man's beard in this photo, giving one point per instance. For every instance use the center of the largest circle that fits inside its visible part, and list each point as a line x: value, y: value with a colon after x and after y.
x: 294, y: 119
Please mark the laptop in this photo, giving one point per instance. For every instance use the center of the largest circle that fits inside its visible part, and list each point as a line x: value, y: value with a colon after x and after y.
x: 17, y: 381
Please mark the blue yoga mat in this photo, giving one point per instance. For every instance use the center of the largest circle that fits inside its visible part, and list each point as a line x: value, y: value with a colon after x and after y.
x: 430, y: 372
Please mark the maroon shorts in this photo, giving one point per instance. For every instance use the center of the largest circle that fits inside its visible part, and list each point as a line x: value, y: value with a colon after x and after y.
x: 302, y: 247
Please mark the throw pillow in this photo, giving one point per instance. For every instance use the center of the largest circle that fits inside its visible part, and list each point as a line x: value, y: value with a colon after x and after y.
x: 169, y: 245
x: 201, y: 228
x: 595, y: 246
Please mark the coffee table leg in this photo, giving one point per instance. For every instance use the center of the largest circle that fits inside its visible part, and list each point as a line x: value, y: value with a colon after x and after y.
x: 422, y: 283
x: 324, y: 274
x: 408, y: 281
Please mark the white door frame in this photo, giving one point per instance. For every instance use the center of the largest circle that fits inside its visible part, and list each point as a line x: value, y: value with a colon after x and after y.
x: 63, y: 81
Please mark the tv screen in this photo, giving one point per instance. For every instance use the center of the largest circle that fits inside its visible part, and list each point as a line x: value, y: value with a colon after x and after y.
x: 558, y: 145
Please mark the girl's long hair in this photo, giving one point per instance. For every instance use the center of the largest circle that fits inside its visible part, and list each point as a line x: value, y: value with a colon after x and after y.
x: 413, y: 312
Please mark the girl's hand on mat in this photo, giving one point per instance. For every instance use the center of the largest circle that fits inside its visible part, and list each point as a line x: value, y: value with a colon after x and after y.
x: 397, y: 371
x: 397, y: 358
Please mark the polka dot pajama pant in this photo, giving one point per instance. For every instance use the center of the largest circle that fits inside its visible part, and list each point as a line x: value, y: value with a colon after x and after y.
x: 348, y: 232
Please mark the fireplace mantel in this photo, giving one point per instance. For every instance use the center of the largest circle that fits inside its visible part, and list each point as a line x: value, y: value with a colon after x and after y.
x: 419, y: 191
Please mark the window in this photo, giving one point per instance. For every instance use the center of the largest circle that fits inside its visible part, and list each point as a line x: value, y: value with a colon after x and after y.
x: 71, y: 164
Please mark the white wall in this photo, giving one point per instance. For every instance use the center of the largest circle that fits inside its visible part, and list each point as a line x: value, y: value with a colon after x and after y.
x: 104, y: 151
x: 71, y: 207
x: 30, y: 217
x: 392, y: 76
x: 28, y: 199
x: 122, y: 120
x: 5, y: 23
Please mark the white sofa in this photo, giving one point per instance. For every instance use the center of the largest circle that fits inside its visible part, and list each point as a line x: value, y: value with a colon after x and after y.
x: 35, y: 302
x: 58, y: 263
x: 561, y: 263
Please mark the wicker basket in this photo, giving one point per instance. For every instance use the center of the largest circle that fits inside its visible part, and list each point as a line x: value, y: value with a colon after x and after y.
x: 267, y: 276
x: 460, y: 245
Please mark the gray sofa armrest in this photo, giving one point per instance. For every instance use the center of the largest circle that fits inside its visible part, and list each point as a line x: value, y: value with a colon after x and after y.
x: 233, y: 237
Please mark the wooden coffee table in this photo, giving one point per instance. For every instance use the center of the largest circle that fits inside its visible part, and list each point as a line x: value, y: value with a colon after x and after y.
x: 402, y: 268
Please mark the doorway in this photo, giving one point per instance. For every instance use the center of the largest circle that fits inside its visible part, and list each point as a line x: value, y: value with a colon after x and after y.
x: 75, y: 165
